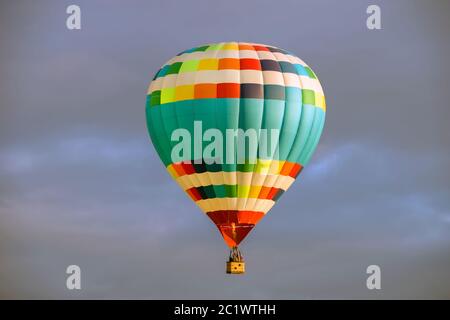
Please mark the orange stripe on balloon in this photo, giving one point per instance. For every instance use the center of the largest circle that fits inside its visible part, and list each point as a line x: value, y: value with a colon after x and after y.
x: 246, y: 47
x: 194, y: 194
x: 188, y: 167
x: 178, y: 169
x: 229, y: 63
x: 264, y: 192
x: 250, y: 64
x: 272, y: 193
x: 261, y: 48
x: 287, y: 167
x: 228, y: 90
x: 205, y: 90
x: 296, y: 169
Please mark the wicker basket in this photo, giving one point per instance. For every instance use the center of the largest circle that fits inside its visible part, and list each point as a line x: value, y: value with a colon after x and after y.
x: 235, y: 267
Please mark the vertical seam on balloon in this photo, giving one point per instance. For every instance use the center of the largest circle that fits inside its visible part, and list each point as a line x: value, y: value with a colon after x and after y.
x: 238, y: 114
x: 302, y: 112
x: 298, y: 126
x: 259, y: 133
x: 284, y: 118
x: 203, y: 163
x: 192, y: 178
x: 215, y: 54
x: 308, y: 136
x: 312, y: 141
x: 161, y: 116
x: 284, y: 114
x: 316, y: 138
x: 264, y: 111
x: 318, y: 132
x: 151, y: 131
x: 307, y: 141
x: 224, y: 155
x: 148, y: 114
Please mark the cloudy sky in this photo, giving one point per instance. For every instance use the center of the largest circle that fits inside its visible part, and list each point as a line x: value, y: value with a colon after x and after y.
x: 80, y: 182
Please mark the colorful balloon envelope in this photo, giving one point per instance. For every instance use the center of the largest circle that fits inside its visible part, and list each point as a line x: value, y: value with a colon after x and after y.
x: 234, y: 124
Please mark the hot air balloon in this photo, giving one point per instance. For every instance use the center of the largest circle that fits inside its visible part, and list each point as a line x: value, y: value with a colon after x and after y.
x: 235, y: 86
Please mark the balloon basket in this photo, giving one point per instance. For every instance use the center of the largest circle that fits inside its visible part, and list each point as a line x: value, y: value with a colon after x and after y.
x: 235, y: 263
x: 235, y: 267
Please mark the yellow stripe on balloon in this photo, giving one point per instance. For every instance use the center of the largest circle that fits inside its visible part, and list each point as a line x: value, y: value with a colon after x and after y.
x: 230, y: 178
x: 215, y: 204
